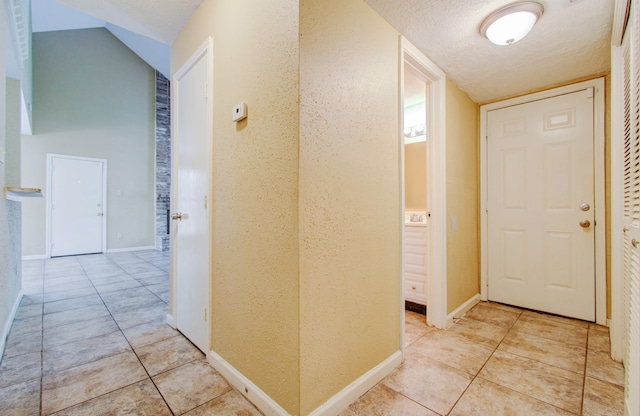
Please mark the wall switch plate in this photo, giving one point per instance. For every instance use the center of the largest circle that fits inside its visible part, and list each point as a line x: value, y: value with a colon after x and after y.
x: 239, y: 112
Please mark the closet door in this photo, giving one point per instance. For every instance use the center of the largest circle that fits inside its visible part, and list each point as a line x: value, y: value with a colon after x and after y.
x: 631, y: 208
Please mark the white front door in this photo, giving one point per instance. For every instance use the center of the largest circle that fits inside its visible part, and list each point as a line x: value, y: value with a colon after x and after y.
x: 76, y: 205
x: 191, y: 230
x: 540, y: 202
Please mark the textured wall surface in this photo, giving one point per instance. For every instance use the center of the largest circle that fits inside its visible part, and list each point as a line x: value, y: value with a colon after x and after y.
x: 255, y: 186
x: 93, y: 97
x: 349, y: 196
x: 10, y: 214
x: 463, y: 264
x: 163, y: 160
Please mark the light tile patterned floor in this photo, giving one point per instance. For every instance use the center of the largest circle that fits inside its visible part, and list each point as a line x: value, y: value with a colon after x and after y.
x: 500, y: 360
x: 90, y: 338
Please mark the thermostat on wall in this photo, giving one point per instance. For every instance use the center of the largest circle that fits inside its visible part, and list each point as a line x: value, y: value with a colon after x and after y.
x: 239, y: 112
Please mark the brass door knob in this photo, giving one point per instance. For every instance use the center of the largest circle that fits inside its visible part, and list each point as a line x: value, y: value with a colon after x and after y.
x: 585, y: 223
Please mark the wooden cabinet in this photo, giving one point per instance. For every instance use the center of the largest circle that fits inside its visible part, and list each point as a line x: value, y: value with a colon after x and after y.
x: 415, y: 263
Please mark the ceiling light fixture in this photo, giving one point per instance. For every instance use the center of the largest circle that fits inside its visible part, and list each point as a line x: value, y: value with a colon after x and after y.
x: 511, y: 23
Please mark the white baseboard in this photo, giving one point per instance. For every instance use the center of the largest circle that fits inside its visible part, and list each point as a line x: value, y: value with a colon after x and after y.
x: 256, y: 396
x: 170, y: 321
x: 7, y: 325
x: 333, y: 406
x: 349, y: 394
x: 462, y: 309
x: 124, y: 250
x: 35, y: 257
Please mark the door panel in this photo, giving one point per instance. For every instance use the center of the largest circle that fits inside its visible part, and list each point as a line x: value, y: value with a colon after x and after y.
x: 77, y: 206
x: 540, y: 171
x: 191, y: 241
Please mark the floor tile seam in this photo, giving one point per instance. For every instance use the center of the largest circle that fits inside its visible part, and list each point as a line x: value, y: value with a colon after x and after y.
x: 90, y: 399
x: 80, y: 340
x: 58, y: 325
x: 150, y: 343
x: 544, y: 363
x: 553, y: 321
x: 381, y: 382
x: 488, y: 323
x: 595, y: 377
x: 166, y: 370
x: 529, y: 396
x: 552, y: 339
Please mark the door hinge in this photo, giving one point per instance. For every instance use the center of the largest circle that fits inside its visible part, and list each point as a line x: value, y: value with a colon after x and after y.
x: 590, y: 92
x: 205, y: 314
x: 205, y: 202
x: 205, y: 92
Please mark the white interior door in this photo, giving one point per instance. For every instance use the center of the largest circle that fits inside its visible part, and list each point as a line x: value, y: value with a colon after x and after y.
x: 76, y: 204
x: 540, y: 202
x: 191, y: 188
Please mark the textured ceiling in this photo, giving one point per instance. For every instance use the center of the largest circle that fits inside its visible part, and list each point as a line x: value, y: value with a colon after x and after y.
x: 570, y: 41
x: 160, y: 20
x: 567, y: 43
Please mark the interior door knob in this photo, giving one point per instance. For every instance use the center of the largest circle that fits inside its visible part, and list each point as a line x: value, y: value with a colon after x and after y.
x: 585, y: 207
x: 176, y: 216
x: 585, y: 223
x: 635, y: 243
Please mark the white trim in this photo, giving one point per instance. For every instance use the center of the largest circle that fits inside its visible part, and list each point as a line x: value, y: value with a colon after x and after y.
x: 616, y: 329
x: 364, y: 383
x: 599, y: 181
x: 620, y: 15
x: 333, y: 406
x: 205, y: 49
x: 170, y: 321
x: 436, y: 284
x: 252, y: 392
x: 50, y: 156
x: 124, y: 250
x: 9, y: 323
x: 34, y: 257
x: 462, y: 309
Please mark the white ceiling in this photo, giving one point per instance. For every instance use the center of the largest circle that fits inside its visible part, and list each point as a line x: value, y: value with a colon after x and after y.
x: 571, y: 40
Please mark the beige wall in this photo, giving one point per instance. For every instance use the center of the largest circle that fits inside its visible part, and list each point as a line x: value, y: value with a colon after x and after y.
x: 303, y: 313
x: 415, y: 176
x: 255, y: 325
x: 349, y: 195
x: 463, y: 269
x: 93, y: 97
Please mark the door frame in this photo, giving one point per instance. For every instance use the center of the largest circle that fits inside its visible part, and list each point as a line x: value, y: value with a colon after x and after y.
x: 205, y: 51
x: 436, y: 282
x: 600, y: 267
x: 50, y: 157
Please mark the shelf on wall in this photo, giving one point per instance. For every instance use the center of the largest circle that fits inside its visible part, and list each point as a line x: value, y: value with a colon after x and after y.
x: 16, y: 194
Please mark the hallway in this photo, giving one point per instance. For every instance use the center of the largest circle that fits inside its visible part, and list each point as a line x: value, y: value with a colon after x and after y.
x: 90, y: 338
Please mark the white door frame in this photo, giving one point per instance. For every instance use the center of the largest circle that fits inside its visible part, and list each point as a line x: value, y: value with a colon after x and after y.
x: 51, y: 156
x: 205, y: 50
x: 599, y: 183
x: 436, y: 283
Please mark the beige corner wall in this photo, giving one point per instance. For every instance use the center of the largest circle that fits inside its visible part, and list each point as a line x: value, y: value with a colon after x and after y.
x: 415, y: 176
x: 255, y: 323
x: 93, y: 97
x: 463, y: 267
x: 349, y: 195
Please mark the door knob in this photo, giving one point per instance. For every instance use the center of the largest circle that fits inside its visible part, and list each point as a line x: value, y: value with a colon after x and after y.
x: 585, y: 207
x: 585, y: 223
x: 177, y: 216
x: 635, y: 243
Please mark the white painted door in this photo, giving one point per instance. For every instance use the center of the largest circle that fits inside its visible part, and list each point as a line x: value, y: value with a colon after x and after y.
x: 76, y: 204
x: 191, y: 189
x: 540, y: 202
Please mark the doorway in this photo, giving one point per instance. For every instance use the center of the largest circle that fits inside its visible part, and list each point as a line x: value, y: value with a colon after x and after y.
x: 429, y: 79
x: 191, y: 199
x: 76, y: 205
x: 542, y: 201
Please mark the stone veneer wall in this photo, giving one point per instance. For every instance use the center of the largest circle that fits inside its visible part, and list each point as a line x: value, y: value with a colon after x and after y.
x: 163, y: 160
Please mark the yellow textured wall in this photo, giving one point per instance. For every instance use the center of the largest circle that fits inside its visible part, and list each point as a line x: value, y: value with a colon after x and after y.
x: 415, y: 176
x: 255, y: 187
x: 463, y: 271
x: 349, y: 195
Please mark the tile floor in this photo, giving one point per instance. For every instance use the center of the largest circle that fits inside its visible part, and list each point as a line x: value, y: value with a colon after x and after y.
x: 89, y: 338
x: 500, y: 360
